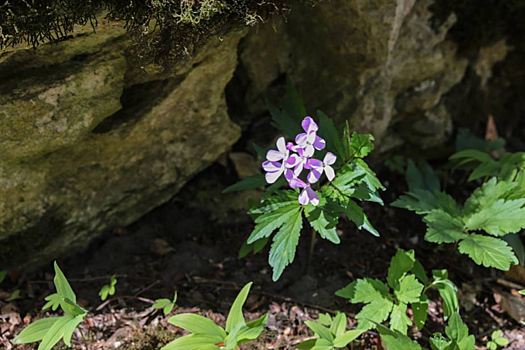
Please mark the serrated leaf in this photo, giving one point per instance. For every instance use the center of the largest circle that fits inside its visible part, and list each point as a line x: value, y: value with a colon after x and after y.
x: 396, y: 340
x: 367, y: 290
x: 248, y: 183
x: 361, y: 145
x: 323, y: 222
x: 443, y: 228
x: 500, y: 218
x: 271, y: 221
x: 235, y: 316
x: 409, y: 290
x: 489, y: 193
x: 363, y: 193
x: 282, y: 252
x: 423, y: 202
x: 283, y: 121
x: 378, y: 311
x: 488, y: 251
x: 421, y: 177
x: 197, y: 324
x: 439, y: 342
x: 370, y: 178
x: 400, y: 264
x: 420, y: 310
x: 356, y: 214
x: 293, y: 102
x: 36, y: 331
x: 278, y: 200
x: 399, y: 321
x: 329, y: 133
x: 346, y: 338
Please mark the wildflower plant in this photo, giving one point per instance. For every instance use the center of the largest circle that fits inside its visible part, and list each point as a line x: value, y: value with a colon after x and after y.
x: 317, y: 177
x: 407, y: 284
x: 49, y: 331
x: 108, y: 289
x: 166, y: 305
x: 206, y: 335
x: 496, y: 340
x: 330, y: 333
x: 494, y: 210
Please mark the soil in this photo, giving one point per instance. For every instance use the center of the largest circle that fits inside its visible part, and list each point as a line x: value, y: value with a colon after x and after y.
x: 191, y: 246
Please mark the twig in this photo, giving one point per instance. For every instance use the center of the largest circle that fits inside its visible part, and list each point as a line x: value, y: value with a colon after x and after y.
x: 145, y: 300
x: 509, y: 284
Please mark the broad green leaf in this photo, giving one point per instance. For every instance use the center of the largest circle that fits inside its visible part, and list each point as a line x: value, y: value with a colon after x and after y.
x: 323, y: 222
x: 325, y: 319
x: 399, y: 321
x: 370, y: 178
x: 489, y: 168
x: 316, y: 344
x: 161, y: 303
x: 230, y: 342
x: 419, y: 271
x: 488, y: 251
x: 409, y: 290
x: 293, y: 102
x: 55, y: 333
x: 62, y: 285
x: 73, y: 308
x: 307, y: 345
x: 421, y: 177
x: 338, y: 326
x: 70, y: 327
x: 400, y: 264
x: 282, y: 252
x: 346, y: 338
x: 423, y: 202
x: 356, y: 214
x: 396, y: 340
x: 329, y: 133
x: 514, y: 240
x: 36, y: 331
x: 367, y: 290
x: 500, y: 218
x: 235, y: 317
x: 448, y: 292
x: 197, y: 324
x: 195, y: 342
x: 282, y: 121
x: 377, y: 311
x: 168, y: 309
x: 443, y: 228
x: 420, y: 310
x: 438, y: 342
x: 53, y: 302
x: 252, y: 330
x: 278, y: 200
x: 248, y: 183
x: 361, y: 145
x: 320, y: 330
x: 271, y: 221
x: 363, y: 193
x: 467, y: 140
x: 456, y: 330
x: 254, y: 247
x: 348, y: 292
x: 486, y: 195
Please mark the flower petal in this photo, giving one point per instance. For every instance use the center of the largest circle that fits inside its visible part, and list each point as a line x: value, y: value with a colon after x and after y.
x: 292, y: 161
x: 288, y: 175
x: 297, y: 183
x: 301, y: 139
x: 330, y: 173
x: 329, y: 158
x: 308, y: 151
x: 319, y: 143
x: 271, y: 166
x: 314, y: 164
x: 314, y: 176
x: 309, y: 125
x: 303, y: 197
x: 274, y: 155
x: 273, y: 176
x: 312, y: 196
x: 281, y: 144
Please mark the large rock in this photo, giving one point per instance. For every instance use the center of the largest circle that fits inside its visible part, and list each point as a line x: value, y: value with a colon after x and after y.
x: 83, y: 150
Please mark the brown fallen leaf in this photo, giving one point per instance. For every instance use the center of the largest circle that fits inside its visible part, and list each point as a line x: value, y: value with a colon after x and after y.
x: 513, y: 305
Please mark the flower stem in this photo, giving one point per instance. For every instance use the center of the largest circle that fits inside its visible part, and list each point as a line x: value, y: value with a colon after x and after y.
x: 313, y: 240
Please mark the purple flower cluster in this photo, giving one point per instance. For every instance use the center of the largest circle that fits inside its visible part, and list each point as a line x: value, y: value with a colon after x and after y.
x: 291, y: 159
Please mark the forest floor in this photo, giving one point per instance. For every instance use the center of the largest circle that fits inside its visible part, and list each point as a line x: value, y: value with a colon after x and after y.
x: 191, y: 246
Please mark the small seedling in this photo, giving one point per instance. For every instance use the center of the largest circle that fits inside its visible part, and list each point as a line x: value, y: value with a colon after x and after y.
x: 407, y: 284
x: 108, y: 289
x: 330, y: 334
x: 166, y: 304
x: 49, y: 331
x: 206, y: 335
x: 14, y: 295
x: 497, y: 340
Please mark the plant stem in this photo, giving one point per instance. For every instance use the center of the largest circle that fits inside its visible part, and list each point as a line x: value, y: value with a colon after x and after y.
x: 313, y: 240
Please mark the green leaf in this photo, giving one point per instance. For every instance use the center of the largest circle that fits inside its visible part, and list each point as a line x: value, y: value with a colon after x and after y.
x: 419, y: 271
x: 486, y: 195
x: 329, y: 133
x: 282, y: 252
x: 14, y: 295
x: 55, y: 333
x: 348, y: 292
x: 269, y: 222
x: 252, y: 330
x: 500, y: 218
x: 456, y: 330
x: 168, y: 309
x: 346, y: 338
x: 490, y: 168
x: 53, y: 302
x: 320, y: 331
x: 325, y: 319
x: 420, y: 310
x: 367, y: 290
x: 502, y: 341
x: 443, y: 228
x: 338, y: 326
x: 293, y: 102
x: 195, y: 342
x: 423, y: 202
x: 488, y: 251
x: 161, y: 303
x: 409, y: 290
x: 36, y: 331
x: 448, y: 292
x: 323, y: 222
x: 395, y: 340
x: 254, y: 247
x: 438, y: 342
x: 3, y: 273
x: 197, y: 324
x: 370, y: 178
x: 377, y: 311
x: 316, y: 344
x: 70, y: 327
x: 62, y: 285
x: 467, y: 140
x: 248, y: 183
x: 514, y: 240
x: 235, y: 317
x: 361, y: 145
x: 356, y: 214
x: 400, y: 264
x: 399, y: 321
x: 363, y: 193
x: 421, y: 177
x: 276, y: 201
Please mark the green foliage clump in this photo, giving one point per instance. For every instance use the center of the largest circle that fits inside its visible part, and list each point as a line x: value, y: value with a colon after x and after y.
x: 108, y: 289
x: 407, y: 284
x: 165, y: 304
x: 330, y: 333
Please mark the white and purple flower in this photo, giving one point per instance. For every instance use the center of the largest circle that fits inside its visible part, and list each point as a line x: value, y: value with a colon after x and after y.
x: 282, y: 161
